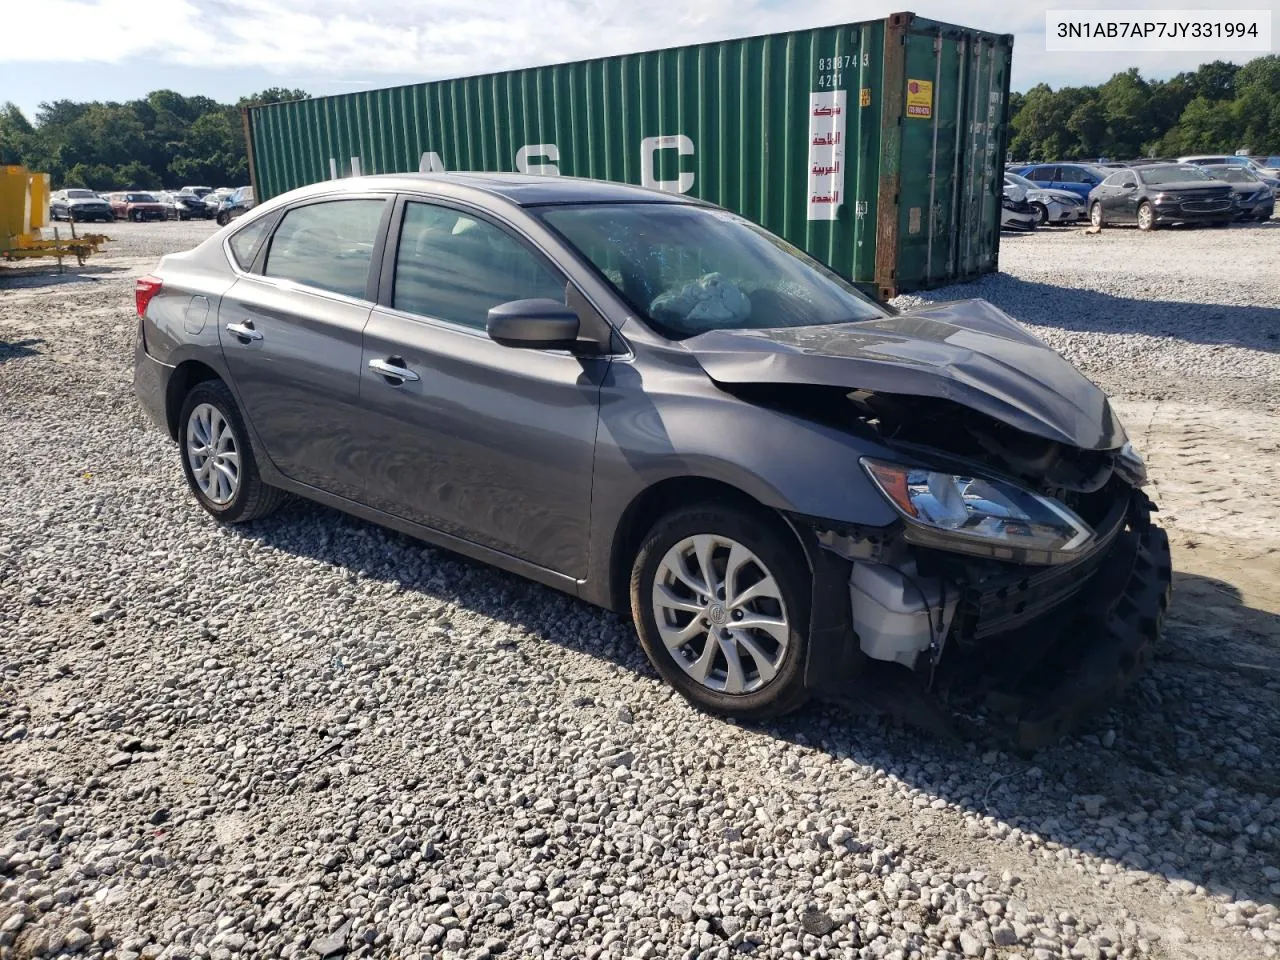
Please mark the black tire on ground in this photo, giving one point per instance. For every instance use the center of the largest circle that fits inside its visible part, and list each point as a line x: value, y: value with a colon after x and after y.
x: 1042, y: 213
x: 1095, y: 215
x: 223, y: 219
x: 253, y: 499
x: 1151, y: 216
x: 776, y: 547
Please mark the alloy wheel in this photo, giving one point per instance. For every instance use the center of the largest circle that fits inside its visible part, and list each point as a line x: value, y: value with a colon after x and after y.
x: 1095, y: 215
x: 213, y: 453
x: 720, y: 613
x: 1145, y: 218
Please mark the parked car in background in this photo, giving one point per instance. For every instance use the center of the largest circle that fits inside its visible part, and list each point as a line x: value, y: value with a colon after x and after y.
x: 165, y: 199
x: 1270, y: 177
x: 1255, y: 199
x: 1079, y: 178
x: 137, y: 206
x: 1162, y: 194
x: 1016, y: 213
x: 1052, y: 206
x: 235, y: 205
x: 79, y: 205
x: 197, y: 191
x: 708, y: 439
x: 1269, y: 164
x: 188, y: 206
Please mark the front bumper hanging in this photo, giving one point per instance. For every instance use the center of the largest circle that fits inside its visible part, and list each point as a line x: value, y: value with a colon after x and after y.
x: 1047, y: 648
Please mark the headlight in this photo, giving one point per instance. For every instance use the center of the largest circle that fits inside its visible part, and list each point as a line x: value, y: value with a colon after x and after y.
x: 974, y: 515
x: 1130, y: 465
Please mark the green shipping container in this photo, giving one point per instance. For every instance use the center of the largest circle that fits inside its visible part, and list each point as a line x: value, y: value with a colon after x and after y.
x: 877, y: 147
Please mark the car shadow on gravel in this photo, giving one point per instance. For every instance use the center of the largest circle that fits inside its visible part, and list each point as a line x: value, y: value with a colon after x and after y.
x: 1089, y: 311
x: 46, y: 275
x: 1178, y: 780
x: 19, y: 349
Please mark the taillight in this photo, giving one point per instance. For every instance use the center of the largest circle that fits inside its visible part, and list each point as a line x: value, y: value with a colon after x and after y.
x: 146, y: 288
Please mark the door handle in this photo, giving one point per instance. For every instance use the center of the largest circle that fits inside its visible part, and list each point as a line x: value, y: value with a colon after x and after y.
x: 244, y: 331
x: 392, y: 370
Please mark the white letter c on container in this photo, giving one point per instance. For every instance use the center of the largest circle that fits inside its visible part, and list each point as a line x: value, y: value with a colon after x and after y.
x: 651, y: 145
x: 537, y: 152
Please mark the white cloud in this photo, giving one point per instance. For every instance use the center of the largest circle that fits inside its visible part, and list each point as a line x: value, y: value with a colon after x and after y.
x: 339, y: 39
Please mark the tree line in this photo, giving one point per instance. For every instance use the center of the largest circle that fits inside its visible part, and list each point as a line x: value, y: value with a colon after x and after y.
x: 167, y: 140
x: 163, y: 140
x: 1219, y: 108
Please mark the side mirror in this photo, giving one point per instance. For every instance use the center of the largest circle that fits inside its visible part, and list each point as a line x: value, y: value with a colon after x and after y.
x: 540, y: 324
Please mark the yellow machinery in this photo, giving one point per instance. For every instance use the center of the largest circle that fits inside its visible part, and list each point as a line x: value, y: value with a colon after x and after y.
x: 24, y: 210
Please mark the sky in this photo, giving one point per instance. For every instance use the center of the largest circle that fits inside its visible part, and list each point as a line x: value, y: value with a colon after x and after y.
x: 225, y: 49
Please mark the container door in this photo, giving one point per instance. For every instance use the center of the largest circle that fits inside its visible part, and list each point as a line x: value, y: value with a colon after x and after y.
x: 929, y: 161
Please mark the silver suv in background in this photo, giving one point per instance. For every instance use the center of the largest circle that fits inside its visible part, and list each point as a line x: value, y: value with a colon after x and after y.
x: 79, y: 204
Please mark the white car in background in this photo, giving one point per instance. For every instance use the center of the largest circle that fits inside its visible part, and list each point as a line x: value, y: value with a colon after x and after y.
x: 1016, y: 213
x: 1051, y: 206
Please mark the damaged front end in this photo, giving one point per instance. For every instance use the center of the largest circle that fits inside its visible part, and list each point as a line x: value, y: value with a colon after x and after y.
x: 1022, y: 569
x: 1023, y: 563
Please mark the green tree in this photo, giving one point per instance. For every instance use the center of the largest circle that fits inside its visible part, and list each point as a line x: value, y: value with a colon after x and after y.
x: 272, y: 95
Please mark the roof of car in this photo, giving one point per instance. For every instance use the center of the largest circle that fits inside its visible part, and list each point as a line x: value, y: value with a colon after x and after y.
x: 519, y: 188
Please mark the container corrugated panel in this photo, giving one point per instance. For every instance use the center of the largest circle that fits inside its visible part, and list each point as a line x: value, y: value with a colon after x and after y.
x: 805, y: 132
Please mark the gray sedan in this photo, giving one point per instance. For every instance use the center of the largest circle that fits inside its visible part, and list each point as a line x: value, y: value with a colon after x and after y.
x: 653, y: 404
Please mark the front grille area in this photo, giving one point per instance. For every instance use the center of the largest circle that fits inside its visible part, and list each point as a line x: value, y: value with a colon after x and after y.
x: 1205, y: 206
x: 1003, y: 602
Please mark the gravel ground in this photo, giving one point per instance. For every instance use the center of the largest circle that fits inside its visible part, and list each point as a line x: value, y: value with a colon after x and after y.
x: 312, y: 736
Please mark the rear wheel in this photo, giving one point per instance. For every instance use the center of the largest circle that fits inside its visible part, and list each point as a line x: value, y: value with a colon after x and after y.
x: 720, y: 597
x: 1095, y: 215
x: 217, y: 459
x: 1146, y: 216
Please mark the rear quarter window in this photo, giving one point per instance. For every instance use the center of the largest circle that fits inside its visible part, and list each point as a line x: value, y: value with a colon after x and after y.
x: 244, y: 243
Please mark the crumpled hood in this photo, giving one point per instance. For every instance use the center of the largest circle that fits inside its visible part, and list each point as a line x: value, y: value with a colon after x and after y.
x: 966, y: 351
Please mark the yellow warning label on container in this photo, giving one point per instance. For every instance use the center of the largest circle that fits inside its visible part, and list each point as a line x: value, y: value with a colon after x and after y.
x: 920, y: 99
x: 865, y: 97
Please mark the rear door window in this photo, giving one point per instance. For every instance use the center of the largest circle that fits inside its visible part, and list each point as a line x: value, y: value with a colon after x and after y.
x: 453, y: 266
x: 1071, y: 175
x: 328, y: 245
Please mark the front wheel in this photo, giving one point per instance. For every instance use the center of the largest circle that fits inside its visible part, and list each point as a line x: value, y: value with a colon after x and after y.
x: 1042, y: 214
x: 217, y: 459
x: 1095, y: 215
x: 1146, y: 216
x: 223, y: 219
x: 720, y: 597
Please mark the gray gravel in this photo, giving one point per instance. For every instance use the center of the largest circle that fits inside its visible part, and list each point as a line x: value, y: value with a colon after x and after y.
x: 311, y: 737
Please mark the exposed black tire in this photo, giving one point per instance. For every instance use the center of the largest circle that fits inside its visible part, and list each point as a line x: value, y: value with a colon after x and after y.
x: 776, y: 548
x: 253, y: 498
x: 1096, y: 217
x: 223, y: 219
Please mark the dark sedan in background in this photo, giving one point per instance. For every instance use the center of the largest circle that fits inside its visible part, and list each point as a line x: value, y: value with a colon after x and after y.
x: 188, y: 206
x: 1255, y: 199
x: 79, y: 205
x: 1161, y: 194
